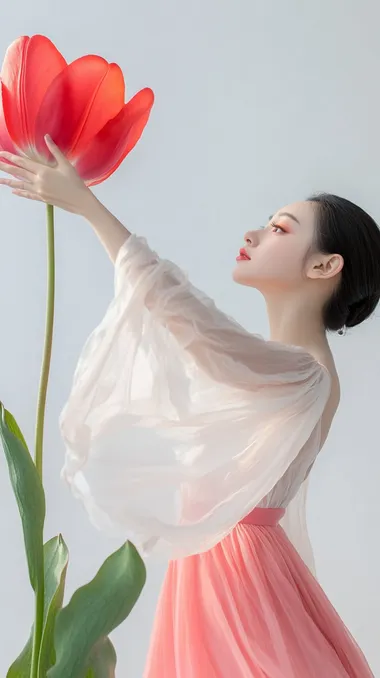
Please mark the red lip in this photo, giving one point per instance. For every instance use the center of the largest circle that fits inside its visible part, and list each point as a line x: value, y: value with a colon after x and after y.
x: 243, y: 255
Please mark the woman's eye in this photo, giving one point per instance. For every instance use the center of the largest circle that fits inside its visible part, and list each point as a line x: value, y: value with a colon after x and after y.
x: 276, y: 228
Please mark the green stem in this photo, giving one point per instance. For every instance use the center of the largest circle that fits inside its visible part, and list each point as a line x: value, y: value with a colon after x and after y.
x: 48, y: 341
x: 41, y: 406
x: 38, y: 629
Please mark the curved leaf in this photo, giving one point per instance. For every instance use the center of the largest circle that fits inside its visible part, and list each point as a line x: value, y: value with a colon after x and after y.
x: 28, y: 491
x: 56, y: 559
x: 95, y: 610
x: 102, y: 662
x: 21, y: 667
x: 14, y: 427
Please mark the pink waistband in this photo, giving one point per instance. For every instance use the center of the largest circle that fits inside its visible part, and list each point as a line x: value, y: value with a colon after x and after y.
x: 268, y: 517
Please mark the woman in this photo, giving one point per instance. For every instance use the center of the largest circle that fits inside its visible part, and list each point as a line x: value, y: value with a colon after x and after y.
x: 193, y: 435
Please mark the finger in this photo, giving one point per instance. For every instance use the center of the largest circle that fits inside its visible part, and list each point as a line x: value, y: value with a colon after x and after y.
x: 17, y: 171
x: 20, y: 161
x: 12, y: 183
x: 28, y: 195
x: 54, y: 150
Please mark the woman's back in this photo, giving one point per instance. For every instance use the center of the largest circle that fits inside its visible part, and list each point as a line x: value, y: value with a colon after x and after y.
x: 325, y: 357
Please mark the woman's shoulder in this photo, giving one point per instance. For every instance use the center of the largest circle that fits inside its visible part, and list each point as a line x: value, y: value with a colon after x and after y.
x: 326, y: 359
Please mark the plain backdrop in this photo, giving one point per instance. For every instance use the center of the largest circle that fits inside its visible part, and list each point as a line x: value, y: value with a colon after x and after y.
x: 257, y: 104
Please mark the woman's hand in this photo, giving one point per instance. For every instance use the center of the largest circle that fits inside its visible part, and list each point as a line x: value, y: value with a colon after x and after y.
x: 57, y: 184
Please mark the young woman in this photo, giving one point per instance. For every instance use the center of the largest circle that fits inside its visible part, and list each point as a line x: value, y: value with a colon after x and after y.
x: 196, y: 438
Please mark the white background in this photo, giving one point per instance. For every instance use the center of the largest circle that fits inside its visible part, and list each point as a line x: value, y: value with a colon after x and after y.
x: 257, y: 104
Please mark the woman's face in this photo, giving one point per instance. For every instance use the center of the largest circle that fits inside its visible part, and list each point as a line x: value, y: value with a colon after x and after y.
x: 277, y: 252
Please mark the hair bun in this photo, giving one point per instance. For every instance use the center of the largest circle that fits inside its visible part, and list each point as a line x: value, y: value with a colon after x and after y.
x: 361, y: 310
x: 343, y: 228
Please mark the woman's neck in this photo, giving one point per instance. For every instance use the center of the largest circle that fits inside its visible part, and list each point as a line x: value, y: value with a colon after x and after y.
x: 296, y: 322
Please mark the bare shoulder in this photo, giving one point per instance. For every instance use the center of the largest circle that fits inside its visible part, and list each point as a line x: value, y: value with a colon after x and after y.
x: 333, y: 403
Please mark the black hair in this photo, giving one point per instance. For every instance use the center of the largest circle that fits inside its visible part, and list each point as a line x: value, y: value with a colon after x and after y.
x: 344, y: 228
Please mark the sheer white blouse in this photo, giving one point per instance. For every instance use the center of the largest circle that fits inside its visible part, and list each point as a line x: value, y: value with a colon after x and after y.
x: 180, y: 421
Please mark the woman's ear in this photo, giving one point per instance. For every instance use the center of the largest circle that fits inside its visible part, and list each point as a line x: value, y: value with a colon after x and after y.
x: 324, y: 266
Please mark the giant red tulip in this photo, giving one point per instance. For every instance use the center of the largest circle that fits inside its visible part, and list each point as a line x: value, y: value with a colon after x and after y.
x: 81, y: 105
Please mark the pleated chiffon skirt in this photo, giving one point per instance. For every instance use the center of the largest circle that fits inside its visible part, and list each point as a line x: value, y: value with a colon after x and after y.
x: 249, y: 608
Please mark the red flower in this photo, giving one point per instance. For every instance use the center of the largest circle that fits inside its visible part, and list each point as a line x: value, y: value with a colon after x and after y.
x: 80, y: 105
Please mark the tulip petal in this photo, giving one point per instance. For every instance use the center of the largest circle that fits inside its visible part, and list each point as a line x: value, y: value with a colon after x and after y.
x: 79, y: 102
x: 29, y: 67
x: 118, y: 137
x: 6, y: 143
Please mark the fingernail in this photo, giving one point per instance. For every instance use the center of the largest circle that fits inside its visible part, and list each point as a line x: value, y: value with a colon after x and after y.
x: 48, y: 137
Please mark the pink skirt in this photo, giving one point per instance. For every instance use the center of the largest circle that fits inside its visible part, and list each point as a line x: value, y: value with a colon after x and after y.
x: 249, y: 608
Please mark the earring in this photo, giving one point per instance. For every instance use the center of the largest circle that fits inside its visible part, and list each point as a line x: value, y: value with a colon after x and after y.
x: 342, y: 331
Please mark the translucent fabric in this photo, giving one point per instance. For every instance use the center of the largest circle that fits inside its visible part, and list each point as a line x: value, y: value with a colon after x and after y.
x: 180, y: 421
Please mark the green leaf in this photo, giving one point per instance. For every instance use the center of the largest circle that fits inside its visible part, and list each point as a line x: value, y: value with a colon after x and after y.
x: 14, y: 427
x: 95, y: 610
x: 56, y: 559
x: 102, y: 662
x: 28, y: 491
x: 21, y: 667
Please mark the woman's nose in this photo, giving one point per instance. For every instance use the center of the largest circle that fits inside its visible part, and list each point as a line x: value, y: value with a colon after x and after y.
x: 250, y: 238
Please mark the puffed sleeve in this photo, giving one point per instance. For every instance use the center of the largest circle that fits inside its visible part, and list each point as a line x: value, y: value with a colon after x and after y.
x: 179, y: 421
